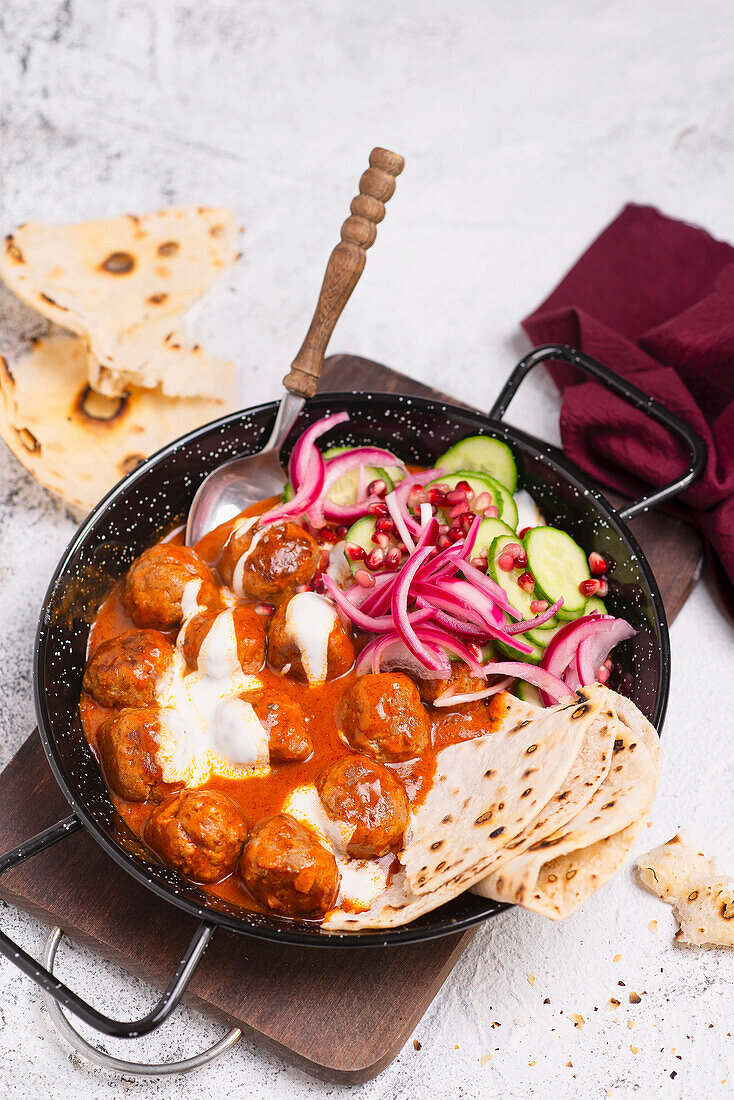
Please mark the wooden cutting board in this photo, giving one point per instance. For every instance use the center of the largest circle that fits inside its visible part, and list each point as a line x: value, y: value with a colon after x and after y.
x: 340, y: 1015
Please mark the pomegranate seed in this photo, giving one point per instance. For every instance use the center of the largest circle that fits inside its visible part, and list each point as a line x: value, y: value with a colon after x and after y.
x: 506, y: 562
x: 526, y: 581
x: 521, y: 559
x: 375, y: 559
x: 402, y: 548
x: 603, y: 675
x: 382, y: 541
x: 466, y: 487
x: 608, y: 664
x: 324, y: 559
x: 328, y: 534
x: 456, y: 534
x: 443, y: 528
x: 523, y: 532
x: 364, y: 579
x: 443, y: 542
x: 479, y: 563
x: 589, y: 587
x: 317, y: 583
x: 492, y: 512
x: 415, y: 496
x: 342, y: 530
x: 597, y: 563
x: 392, y: 557
x: 538, y: 606
x: 603, y: 588
x: 458, y: 510
x: 385, y: 526
x: 512, y: 548
x: 456, y: 496
x: 377, y: 488
x: 483, y: 501
x: 377, y: 508
x: 435, y: 496
x: 264, y: 609
x: 475, y: 650
x: 465, y: 521
x: 355, y: 552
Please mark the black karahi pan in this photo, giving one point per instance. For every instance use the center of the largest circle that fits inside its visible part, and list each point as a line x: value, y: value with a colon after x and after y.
x: 154, y: 499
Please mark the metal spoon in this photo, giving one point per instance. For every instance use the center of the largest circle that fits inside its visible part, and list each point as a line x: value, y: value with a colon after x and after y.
x: 243, y: 481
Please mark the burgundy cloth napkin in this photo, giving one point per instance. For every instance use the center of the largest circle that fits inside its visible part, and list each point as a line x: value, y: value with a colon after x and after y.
x: 652, y: 298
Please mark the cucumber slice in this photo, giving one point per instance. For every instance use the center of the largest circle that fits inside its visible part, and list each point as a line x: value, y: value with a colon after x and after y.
x: 542, y: 637
x: 595, y: 604
x: 483, y: 483
x: 528, y: 693
x: 486, y: 455
x: 489, y: 530
x: 361, y: 533
x: 511, y: 654
x: 558, y: 565
x: 517, y: 596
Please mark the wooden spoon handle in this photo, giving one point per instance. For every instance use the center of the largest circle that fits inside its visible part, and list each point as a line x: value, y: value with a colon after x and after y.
x: 344, y: 268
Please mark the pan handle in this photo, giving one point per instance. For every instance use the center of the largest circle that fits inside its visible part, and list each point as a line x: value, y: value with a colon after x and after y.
x: 125, y: 1029
x: 630, y: 393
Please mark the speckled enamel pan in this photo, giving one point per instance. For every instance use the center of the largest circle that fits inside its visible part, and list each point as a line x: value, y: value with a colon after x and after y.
x: 155, y: 498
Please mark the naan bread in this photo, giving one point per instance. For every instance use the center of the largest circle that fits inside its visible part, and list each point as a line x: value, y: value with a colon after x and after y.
x: 74, y: 442
x: 702, y: 898
x: 564, y: 867
x: 108, y: 279
x: 485, y: 792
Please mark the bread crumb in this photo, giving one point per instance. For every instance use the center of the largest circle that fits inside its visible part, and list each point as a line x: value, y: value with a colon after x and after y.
x: 617, y: 958
x: 531, y: 979
x: 630, y: 1023
x: 484, y: 1059
x: 653, y: 926
x: 532, y: 1063
x: 611, y: 1004
x: 456, y: 1047
x: 416, y: 1045
x: 518, y: 1020
x: 635, y: 998
x: 635, y: 1050
x: 578, y: 1020
x: 570, y: 1064
x: 610, y: 1092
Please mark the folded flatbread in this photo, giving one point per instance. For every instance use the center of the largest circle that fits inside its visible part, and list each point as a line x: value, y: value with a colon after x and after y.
x: 702, y: 898
x: 75, y: 442
x: 578, y: 778
x: 108, y: 280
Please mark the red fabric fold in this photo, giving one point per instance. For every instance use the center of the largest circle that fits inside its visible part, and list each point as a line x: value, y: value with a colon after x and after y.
x: 652, y: 298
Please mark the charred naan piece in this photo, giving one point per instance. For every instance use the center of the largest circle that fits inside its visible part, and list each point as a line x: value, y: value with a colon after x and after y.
x: 566, y: 865
x: 116, y: 281
x: 75, y: 442
x: 702, y: 898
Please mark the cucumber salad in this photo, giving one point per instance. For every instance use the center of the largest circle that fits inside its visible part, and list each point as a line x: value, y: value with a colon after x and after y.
x: 439, y: 578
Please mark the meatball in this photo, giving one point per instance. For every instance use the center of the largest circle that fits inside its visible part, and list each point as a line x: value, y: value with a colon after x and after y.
x: 200, y: 833
x: 249, y: 634
x: 155, y: 585
x: 460, y: 682
x: 381, y: 714
x: 297, y: 622
x: 279, y: 558
x: 128, y: 743
x: 287, y: 869
x: 283, y: 719
x: 370, y: 797
x: 125, y: 671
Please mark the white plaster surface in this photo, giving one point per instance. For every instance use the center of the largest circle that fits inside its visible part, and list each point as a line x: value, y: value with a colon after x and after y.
x: 525, y: 127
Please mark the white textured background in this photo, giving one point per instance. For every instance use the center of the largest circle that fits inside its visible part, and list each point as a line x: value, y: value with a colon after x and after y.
x: 525, y: 126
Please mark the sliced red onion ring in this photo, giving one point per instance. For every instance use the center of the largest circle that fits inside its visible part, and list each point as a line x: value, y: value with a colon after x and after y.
x: 307, y: 471
x: 441, y: 638
x: 481, y: 580
x: 399, y: 604
x: 336, y: 468
x: 530, y: 624
x: 563, y: 648
x: 398, y: 515
x: 594, y: 650
x: 549, y: 685
x: 370, y: 623
x: 391, y: 650
x: 449, y: 700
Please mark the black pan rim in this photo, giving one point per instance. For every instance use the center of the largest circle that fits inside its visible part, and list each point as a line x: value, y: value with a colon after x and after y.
x: 282, y: 934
